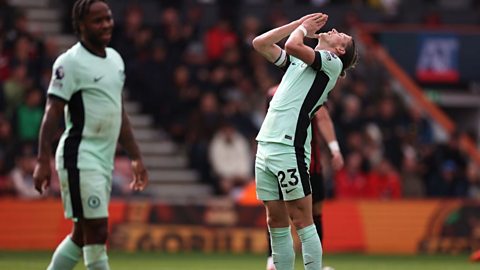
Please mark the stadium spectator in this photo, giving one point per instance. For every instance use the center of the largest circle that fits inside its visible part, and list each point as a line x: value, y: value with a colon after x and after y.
x: 444, y: 167
x: 203, y: 122
x: 451, y: 182
x: 28, y: 117
x: 419, y: 130
x: 389, y: 120
x: 186, y: 95
x: 219, y: 38
x: 351, y: 182
x: 126, y: 33
x: 21, y: 175
x: 173, y: 34
x: 383, y: 182
x: 48, y: 56
x: 15, y: 88
x: 229, y: 154
x: 412, y: 182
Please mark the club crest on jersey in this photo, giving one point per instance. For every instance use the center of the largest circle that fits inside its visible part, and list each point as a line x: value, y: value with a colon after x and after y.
x: 93, y: 201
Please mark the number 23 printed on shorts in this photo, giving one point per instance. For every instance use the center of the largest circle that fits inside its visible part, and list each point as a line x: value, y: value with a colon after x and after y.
x: 288, y: 180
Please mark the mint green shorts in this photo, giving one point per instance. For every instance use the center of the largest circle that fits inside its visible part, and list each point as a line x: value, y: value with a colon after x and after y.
x: 85, y: 193
x: 281, y: 172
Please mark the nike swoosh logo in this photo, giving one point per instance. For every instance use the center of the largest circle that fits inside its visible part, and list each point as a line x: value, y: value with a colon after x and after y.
x: 96, y: 79
x: 309, y: 263
x: 290, y: 190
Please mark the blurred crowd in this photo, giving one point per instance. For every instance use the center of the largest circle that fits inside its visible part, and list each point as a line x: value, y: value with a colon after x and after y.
x: 206, y: 87
x: 25, y: 63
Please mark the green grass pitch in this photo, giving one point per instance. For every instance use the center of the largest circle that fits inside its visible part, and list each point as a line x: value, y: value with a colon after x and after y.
x: 195, y: 261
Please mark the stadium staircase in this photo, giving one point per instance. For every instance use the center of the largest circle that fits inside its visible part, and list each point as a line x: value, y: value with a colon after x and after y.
x: 167, y: 163
x: 170, y: 178
x: 45, y: 20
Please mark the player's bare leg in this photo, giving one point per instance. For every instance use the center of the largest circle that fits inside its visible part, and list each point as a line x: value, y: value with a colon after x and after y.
x: 95, y: 234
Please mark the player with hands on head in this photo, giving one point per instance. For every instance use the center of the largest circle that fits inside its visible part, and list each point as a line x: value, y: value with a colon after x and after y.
x: 322, y: 129
x: 86, y: 85
x: 283, y: 152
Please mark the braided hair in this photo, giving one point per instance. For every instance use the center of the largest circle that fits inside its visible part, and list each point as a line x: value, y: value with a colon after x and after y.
x: 80, y: 9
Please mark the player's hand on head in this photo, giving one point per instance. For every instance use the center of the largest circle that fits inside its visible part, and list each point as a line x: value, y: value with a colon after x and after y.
x: 140, y: 176
x: 308, y: 16
x: 41, y: 176
x: 315, y: 23
x: 337, y: 160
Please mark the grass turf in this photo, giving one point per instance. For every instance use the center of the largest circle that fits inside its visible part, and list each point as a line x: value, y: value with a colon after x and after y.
x: 194, y: 261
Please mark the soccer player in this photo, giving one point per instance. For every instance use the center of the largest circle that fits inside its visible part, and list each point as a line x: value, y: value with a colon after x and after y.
x: 323, y: 126
x: 87, y: 85
x: 283, y: 153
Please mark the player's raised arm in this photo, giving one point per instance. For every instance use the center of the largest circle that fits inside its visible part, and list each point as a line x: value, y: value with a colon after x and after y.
x: 265, y: 43
x: 295, y: 46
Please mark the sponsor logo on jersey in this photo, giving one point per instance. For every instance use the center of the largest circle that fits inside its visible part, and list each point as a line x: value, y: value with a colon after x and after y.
x: 327, y: 55
x: 59, y: 73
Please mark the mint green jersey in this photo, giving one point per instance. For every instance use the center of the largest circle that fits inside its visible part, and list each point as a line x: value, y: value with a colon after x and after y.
x: 92, y: 88
x: 304, y: 88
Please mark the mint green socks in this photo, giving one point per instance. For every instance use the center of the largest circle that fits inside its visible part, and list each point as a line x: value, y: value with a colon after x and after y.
x: 311, y: 248
x: 95, y: 257
x: 282, y: 248
x: 65, y: 256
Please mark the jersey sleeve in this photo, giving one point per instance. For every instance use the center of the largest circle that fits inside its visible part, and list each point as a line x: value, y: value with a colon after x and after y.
x: 327, y: 62
x: 63, y: 82
x: 283, y: 61
x: 119, y: 60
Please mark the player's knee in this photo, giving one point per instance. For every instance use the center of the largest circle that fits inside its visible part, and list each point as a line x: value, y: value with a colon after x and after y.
x: 301, y: 220
x: 277, y: 221
x: 272, y: 221
x: 102, y: 234
x: 299, y: 223
x: 95, y: 231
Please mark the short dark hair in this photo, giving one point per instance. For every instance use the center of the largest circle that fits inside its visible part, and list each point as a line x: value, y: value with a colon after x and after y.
x: 80, y: 9
x: 349, y: 58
